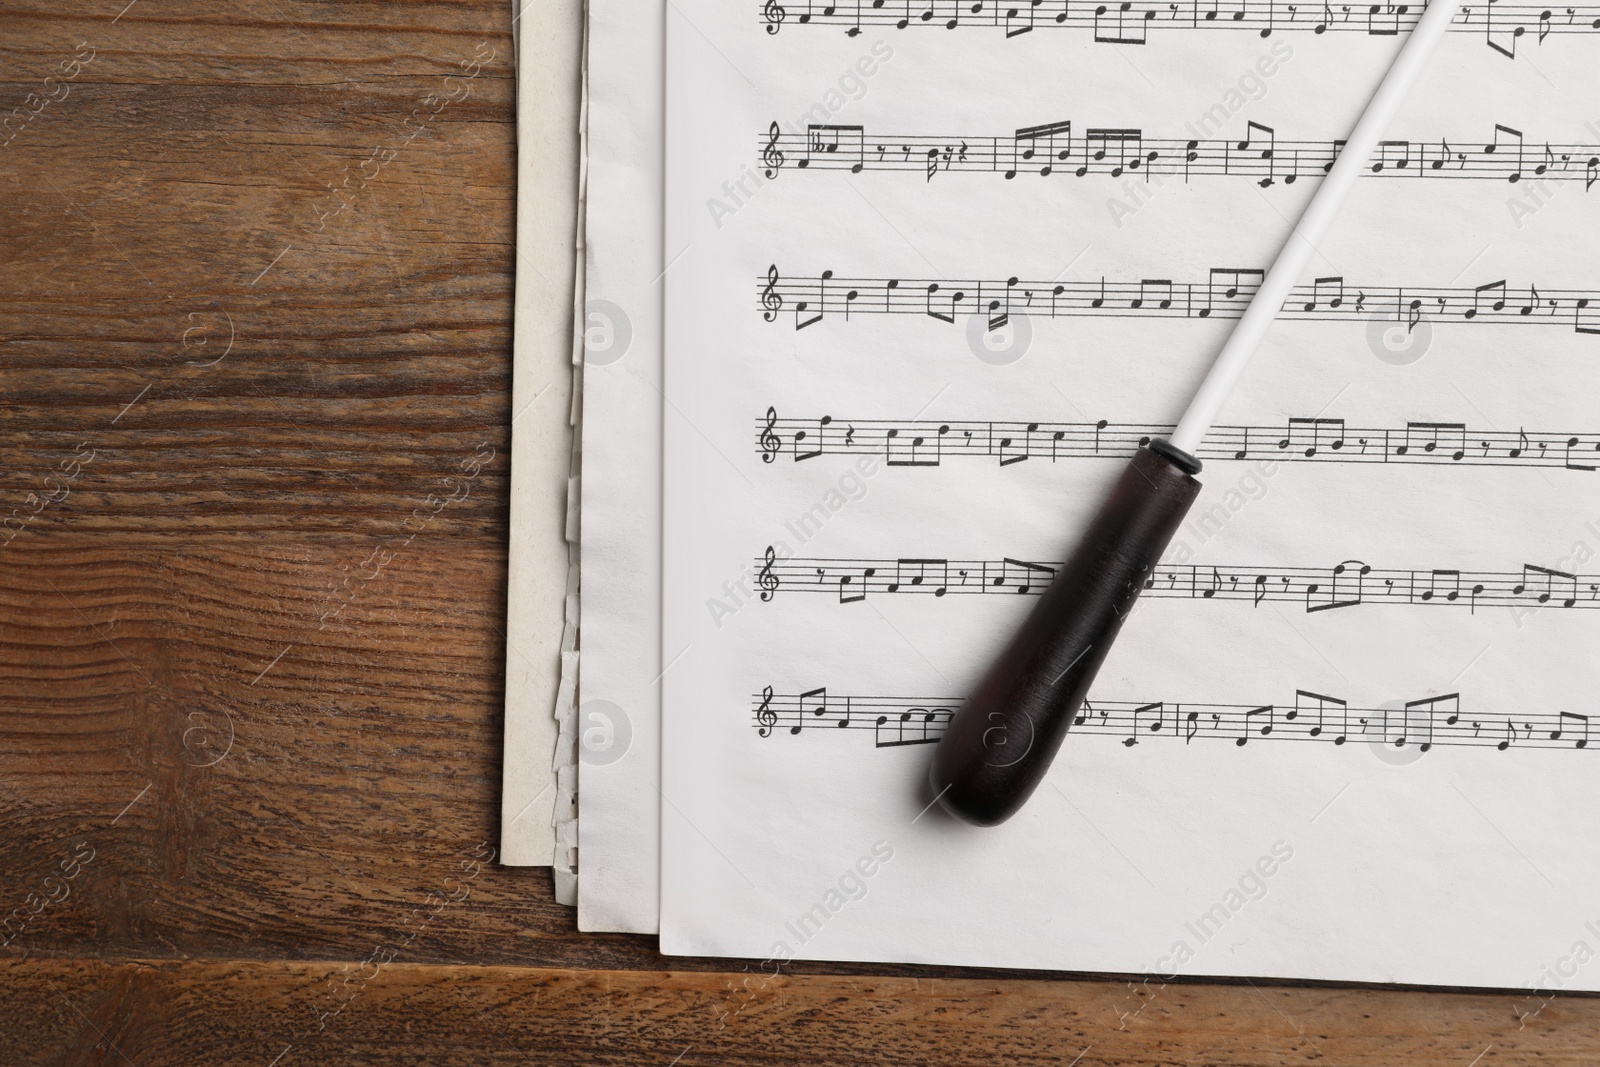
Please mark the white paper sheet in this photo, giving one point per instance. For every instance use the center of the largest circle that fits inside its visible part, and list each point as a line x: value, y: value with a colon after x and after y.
x: 619, y: 714
x: 1195, y: 846
x: 549, y: 53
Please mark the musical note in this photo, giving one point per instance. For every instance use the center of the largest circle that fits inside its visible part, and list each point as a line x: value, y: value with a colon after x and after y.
x: 1244, y: 447
x: 918, y: 572
x: 914, y: 726
x: 1121, y: 34
x: 1268, y: 154
x: 1230, y: 284
x: 906, y: 450
x: 942, y: 307
x: 1119, y: 150
x: 1569, y: 462
x: 818, y: 306
x: 1448, y: 705
x: 1383, y: 20
x: 1394, y: 155
x: 853, y: 587
x: 1162, y: 288
x: 1345, y: 587
x: 1562, y: 718
x: 1324, y: 432
x: 1303, y: 698
x: 1583, y: 322
x: 1014, y: 27
x: 1509, y: 31
x: 1327, y: 292
x: 1445, y: 585
x: 1428, y: 435
x: 814, y: 702
x: 1491, y: 289
x: 827, y: 141
x: 1569, y: 584
x: 1050, y: 143
x: 1245, y: 723
x: 999, y: 311
x: 1495, y: 146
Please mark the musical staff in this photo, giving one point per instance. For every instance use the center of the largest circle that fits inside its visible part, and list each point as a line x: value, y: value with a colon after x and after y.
x: 1053, y: 150
x: 1347, y: 584
x: 929, y: 442
x: 1501, y: 24
x: 898, y: 722
x: 1224, y: 294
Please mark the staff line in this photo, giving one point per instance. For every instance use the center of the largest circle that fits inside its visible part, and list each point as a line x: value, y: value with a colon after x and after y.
x: 1224, y: 294
x: 1347, y: 584
x: 928, y: 442
x: 1422, y: 724
x: 1129, y: 22
x: 1053, y: 148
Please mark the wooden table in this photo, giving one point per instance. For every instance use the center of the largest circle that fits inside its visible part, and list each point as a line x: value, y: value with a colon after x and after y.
x: 236, y: 828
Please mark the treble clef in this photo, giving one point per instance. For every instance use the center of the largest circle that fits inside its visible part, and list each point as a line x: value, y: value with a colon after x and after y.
x: 769, y: 295
x: 766, y: 579
x: 770, y: 154
x: 774, y: 13
x: 765, y: 715
x: 770, y: 442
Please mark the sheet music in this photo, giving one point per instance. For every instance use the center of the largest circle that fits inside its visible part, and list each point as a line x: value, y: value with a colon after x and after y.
x: 619, y: 713
x: 902, y: 375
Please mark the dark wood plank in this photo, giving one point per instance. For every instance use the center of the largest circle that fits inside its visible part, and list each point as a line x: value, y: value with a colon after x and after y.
x: 253, y: 475
x: 175, y: 304
x: 294, y: 782
x: 172, y: 1012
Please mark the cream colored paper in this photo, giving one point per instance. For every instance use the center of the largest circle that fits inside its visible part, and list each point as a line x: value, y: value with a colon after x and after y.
x: 548, y: 101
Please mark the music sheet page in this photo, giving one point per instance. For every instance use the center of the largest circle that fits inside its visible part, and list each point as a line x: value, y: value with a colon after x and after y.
x: 619, y: 718
x: 937, y: 270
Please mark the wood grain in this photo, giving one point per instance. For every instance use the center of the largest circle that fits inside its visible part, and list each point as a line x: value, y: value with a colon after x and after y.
x: 251, y: 610
x: 161, y: 1012
x: 172, y: 297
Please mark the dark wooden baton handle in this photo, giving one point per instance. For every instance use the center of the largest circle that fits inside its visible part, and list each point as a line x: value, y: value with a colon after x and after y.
x: 1001, y: 742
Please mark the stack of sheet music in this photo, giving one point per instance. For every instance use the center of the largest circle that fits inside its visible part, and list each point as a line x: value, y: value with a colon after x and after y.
x: 879, y: 297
